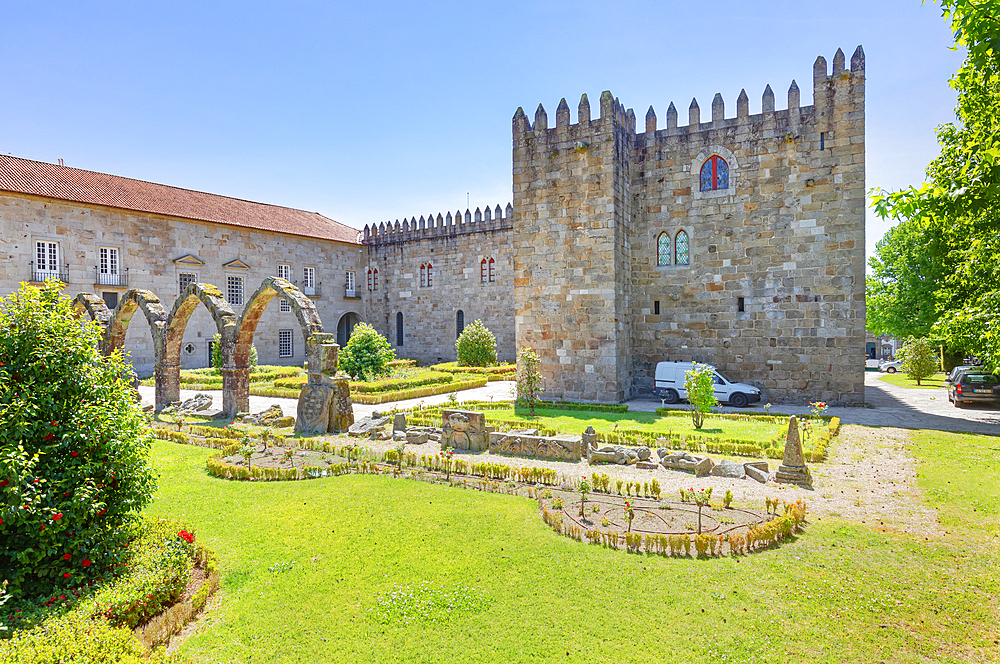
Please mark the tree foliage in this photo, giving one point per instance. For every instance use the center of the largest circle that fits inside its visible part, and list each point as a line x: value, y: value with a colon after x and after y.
x: 217, y: 353
x: 918, y: 358
x: 74, y: 447
x: 476, y: 346
x: 367, y: 354
x: 699, y: 383
x: 938, y: 271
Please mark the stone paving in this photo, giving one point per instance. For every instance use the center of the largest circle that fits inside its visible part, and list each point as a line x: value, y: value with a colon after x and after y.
x: 888, y: 405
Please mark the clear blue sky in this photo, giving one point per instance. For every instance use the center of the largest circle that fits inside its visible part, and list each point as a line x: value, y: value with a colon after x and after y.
x: 373, y: 111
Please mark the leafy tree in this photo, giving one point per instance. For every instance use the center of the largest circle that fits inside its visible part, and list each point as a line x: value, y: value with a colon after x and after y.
x: 699, y: 383
x: 918, y: 358
x: 217, y: 353
x: 529, y: 380
x: 74, y: 447
x: 476, y: 346
x: 367, y: 354
x: 955, y: 215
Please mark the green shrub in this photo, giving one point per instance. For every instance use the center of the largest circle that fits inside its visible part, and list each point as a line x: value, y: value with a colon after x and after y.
x: 217, y: 353
x: 73, y: 638
x: 476, y: 346
x: 699, y: 383
x: 367, y: 353
x: 74, y: 447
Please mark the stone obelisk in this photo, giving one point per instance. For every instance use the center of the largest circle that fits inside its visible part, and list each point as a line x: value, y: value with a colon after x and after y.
x: 793, y: 466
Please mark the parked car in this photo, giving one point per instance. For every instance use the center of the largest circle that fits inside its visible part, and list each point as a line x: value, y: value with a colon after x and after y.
x: 668, y: 384
x: 891, y: 367
x: 871, y: 363
x: 954, y: 373
x: 974, y: 386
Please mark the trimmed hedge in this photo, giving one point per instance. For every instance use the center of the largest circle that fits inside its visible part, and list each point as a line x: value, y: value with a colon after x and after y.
x: 419, y: 379
x: 499, y: 372
x: 416, y: 393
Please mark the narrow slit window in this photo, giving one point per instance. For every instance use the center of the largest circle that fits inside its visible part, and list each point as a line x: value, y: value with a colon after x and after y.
x: 656, y: 307
x: 740, y: 305
x: 482, y: 271
x: 430, y: 275
x: 399, y: 328
x: 423, y: 275
x: 459, y: 323
x: 493, y: 271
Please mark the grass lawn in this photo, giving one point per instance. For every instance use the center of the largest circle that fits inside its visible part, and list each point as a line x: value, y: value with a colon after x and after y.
x: 309, y: 564
x: 933, y: 382
x: 568, y: 421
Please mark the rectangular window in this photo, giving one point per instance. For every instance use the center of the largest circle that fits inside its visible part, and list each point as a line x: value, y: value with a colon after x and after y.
x: 47, y: 260
x: 284, y: 272
x: 108, y: 273
x: 234, y: 291
x: 309, y: 280
x: 185, y: 279
x: 285, y: 348
x: 110, y: 299
x: 656, y: 307
x: 283, y: 305
x: 739, y: 304
x: 349, y: 290
x: 493, y: 271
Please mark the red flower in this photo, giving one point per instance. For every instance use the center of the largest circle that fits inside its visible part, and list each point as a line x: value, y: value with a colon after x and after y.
x: 1, y: 522
x: 186, y: 536
x: 66, y: 575
x: 86, y: 562
x: 67, y: 556
x: 102, y: 512
x: 52, y: 423
x: 48, y: 436
x: 74, y: 453
x: 57, y: 516
x: 4, y: 483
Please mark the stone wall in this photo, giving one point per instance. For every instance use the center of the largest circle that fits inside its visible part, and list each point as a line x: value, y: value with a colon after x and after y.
x: 455, y: 246
x: 153, y: 248
x: 773, y: 292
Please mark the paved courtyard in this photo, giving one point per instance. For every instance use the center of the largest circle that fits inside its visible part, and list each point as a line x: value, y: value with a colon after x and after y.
x: 888, y: 405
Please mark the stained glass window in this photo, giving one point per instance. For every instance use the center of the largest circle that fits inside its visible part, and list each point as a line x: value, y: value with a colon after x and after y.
x: 663, y: 249
x: 681, y: 253
x: 714, y: 174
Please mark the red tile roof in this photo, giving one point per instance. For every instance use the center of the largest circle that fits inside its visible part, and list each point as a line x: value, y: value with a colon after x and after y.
x: 25, y: 176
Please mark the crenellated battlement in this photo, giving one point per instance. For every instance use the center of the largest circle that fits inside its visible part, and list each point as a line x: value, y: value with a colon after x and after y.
x: 431, y: 226
x: 826, y: 85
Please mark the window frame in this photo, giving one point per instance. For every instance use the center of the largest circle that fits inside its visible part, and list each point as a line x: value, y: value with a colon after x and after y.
x: 493, y: 270
x: 713, y: 161
x: 663, y: 254
x: 430, y: 275
x: 47, y: 253
x: 459, y: 323
x: 375, y: 278
x: 290, y: 343
x: 482, y: 271
x: 194, y: 280
x: 687, y: 248
x: 231, y: 280
x: 284, y: 271
x: 400, y: 337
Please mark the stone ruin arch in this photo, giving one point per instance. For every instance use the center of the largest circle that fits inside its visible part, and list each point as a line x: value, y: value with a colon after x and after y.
x: 94, y: 307
x: 325, y: 402
x: 302, y: 307
x: 168, y: 372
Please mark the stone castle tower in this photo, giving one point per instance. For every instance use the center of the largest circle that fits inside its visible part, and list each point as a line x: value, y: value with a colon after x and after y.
x: 737, y: 241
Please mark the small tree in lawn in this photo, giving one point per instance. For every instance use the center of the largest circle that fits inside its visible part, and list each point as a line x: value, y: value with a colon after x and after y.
x: 584, y: 490
x: 74, y: 448
x: 701, y: 497
x: 247, y: 449
x: 629, y: 515
x: 367, y: 354
x: 700, y: 385
x: 529, y: 380
x: 476, y: 346
x: 918, y: 359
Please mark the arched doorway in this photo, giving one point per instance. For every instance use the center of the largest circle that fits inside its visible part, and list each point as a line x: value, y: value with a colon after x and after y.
x: 346, y: 326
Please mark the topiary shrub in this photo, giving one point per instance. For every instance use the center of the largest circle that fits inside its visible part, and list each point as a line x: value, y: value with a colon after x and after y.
x: 217, y: 353
x: 74, y: 447
x: 476, y: 346
x: 367, y: 354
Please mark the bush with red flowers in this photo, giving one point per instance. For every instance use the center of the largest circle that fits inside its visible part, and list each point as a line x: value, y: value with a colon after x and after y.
x: 74, y: 447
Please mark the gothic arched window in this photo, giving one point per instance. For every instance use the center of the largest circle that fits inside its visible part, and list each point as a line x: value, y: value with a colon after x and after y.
x: 714, y: 174
x: 423, y: 275
x: 663, y: 249
x: 493, y: 271
x: 482, y: 271
x: 375, y: 279
x: 369, y: 279
x: 682, y: 249
x: 430, y: 275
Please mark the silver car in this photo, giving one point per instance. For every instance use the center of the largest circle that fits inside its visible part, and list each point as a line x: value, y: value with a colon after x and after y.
x: 891, y: 367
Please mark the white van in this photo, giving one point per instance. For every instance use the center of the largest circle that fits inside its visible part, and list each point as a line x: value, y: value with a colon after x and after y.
x: 668, y: 385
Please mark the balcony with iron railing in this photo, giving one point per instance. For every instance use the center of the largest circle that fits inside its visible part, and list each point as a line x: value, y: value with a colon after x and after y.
x: 61, y: 274
x: 311, y: 291
x: 350, y: 293
x: 117, y: 280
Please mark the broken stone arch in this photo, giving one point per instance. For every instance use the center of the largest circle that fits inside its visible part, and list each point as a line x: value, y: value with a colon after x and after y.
x: 302, y: 307
x: 236, y: 333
